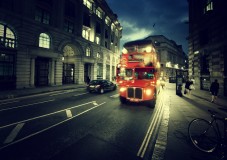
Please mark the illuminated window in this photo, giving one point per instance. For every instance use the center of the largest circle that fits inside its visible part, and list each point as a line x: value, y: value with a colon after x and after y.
x: 209, y: 6
x: 98, y: 13
x: 97, y: 39
x: 86, y: 33
x: 112, y: 27
x: 98, y: 55
x: 7, y: 37
x: 42, y: 16
x: 88, y: 51
x: 116, y: 32
x: 44, y: 40
x: 88, y: 4
x: 107, y: 20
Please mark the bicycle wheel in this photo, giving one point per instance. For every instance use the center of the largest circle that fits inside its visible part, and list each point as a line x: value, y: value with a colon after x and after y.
x: 203, y: 135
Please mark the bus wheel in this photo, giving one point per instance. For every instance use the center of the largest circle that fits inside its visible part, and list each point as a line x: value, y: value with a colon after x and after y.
x: 123, y: 100
x: 151, y: 103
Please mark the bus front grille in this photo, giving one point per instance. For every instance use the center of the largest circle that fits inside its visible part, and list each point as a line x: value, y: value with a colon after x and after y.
x: 135, y: 93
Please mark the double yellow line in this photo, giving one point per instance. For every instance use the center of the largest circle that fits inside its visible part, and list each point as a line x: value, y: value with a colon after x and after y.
x: 157, y: 117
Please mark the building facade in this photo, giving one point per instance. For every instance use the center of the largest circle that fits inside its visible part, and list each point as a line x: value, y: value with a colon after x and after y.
x: 170, y: 55
x: 57, y: 42
x: 208, y: 43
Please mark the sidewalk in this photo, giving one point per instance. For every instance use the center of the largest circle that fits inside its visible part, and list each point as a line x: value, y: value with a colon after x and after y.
x: 206, y: 95
x: 10, y: 94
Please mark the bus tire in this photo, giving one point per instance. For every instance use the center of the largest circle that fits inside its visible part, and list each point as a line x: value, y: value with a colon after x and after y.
x: 151, y: 103
x: 122, y: 100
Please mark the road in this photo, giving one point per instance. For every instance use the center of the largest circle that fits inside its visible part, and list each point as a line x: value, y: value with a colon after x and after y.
x: 74, y: 124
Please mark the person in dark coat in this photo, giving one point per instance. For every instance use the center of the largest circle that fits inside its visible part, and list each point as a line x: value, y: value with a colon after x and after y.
x: 214, y: 90
x: 187, y: 87
x: 88, y: 80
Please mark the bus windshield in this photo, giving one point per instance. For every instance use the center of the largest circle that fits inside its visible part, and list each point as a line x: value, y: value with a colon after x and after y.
x: 125, y: 74
x: 144, y: 73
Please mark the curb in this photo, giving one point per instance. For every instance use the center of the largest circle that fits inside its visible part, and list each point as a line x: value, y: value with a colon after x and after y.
x: 34, y: 92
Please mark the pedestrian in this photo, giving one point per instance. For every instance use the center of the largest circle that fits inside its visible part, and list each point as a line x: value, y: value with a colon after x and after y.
x: 162, y: 81
x: 188, y: 87
x: 214, y: 90
x: 88, y: 80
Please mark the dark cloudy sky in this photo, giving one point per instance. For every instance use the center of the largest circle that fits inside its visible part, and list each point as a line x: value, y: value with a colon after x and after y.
x: 137, y: 17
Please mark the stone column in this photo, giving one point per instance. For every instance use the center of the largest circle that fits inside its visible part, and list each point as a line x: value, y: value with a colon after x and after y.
x: 104, y: 67
x: 79, y: 71
x: 111, y: 64
x: 32, y: 76
x: 52, y: 72
x: 94, y: 71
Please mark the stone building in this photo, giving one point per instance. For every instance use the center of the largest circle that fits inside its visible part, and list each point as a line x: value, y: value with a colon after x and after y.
x: 57, y: 42
x: 170, y: 55
x: 208, y: 43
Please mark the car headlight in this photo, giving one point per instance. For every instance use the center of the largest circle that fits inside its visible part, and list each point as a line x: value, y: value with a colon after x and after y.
x: 97, y: 86
x: 148, y: 92
x: 122, y: 89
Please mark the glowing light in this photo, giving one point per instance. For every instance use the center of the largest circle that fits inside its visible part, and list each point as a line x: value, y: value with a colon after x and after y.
x: 196, y: 52
x: 124, y: 51
x: 148, y: 92
x: 148, y: 49
x: 122, y: 89
x: 168, y: 64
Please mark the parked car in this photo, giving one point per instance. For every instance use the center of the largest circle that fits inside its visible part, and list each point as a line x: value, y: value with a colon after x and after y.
x: 101, y: 86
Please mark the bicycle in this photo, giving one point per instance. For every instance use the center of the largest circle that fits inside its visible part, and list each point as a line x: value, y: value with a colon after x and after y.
x: 206, y: 135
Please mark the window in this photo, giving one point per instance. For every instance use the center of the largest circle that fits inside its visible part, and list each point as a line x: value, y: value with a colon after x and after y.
x: 106, y: 34
x: 98, y: 28
x: 97, y: 39
x: 88, y: 4
x: 86, y: 20
x: 68, y: 26
x: 208, y: 6
x: 7, y: 66
x: 98, y: 13
x: 112, y: 27
x: 107, y: 20
x: 86, y: 33
x: 7, y: 37
x: 88, y: 51
x: 44, y: 40
x: 42, y: 16
x: 116, y: 32
x: 98, y: 55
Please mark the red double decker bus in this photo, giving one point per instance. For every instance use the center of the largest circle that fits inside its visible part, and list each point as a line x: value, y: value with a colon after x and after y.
x: 137, y: 73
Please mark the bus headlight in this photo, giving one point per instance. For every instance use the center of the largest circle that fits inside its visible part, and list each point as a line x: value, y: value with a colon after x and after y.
x: 122, y: 89
x: 148, y: 92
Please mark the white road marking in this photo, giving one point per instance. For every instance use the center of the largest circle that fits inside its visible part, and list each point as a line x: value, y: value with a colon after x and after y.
x: 14, y: 133
x: 67, y: 91
x: 150, y: 130
x: 80, y: 94
x: 8, y: 102
x: 26, y: 105
x: 36, y: 133
x: 45, y: 115
x: 69, y: 113
x: 115, y: 96
x: 95, y: 103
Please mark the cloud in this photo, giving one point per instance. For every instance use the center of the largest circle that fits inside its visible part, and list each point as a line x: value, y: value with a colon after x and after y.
x: 132, y: 32
x: 138, y: 17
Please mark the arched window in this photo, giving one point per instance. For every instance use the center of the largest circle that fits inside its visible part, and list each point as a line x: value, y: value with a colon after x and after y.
x: 44, y: 40
x: 7, y: 37
x: 88, y: 51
